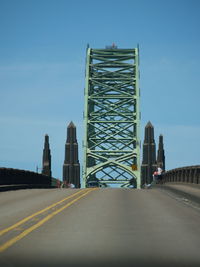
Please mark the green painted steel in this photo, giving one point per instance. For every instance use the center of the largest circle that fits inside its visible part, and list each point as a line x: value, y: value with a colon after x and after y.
x: 112, y: 117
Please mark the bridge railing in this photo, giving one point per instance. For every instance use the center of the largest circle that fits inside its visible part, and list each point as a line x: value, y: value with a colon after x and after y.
x: 189, y: 174
x: 9, y: 177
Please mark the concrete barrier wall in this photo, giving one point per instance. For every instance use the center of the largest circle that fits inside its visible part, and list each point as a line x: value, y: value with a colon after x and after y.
x: 10, y: 176
x: 189, y: 174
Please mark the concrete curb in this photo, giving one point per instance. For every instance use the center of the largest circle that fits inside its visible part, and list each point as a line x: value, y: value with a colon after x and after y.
x: 4, y: 188
x: 180, y: 192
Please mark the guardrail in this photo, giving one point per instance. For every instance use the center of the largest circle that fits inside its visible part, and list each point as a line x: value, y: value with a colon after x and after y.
x: 26, y: 179
x: 189, y: 174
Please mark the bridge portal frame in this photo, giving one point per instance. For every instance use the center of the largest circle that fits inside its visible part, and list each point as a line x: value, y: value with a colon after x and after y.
x: 112, y: 117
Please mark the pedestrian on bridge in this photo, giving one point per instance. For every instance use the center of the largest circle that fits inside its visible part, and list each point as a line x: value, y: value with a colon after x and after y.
x: 159, y: 171
x: 155, y: 177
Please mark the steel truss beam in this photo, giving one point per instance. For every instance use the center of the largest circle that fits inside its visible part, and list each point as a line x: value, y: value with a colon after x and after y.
x: 112, y: 117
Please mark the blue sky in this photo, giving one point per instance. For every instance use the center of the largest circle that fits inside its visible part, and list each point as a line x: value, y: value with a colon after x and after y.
x: 42, y: 66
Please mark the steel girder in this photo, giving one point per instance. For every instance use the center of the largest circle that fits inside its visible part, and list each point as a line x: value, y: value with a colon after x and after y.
x: 112, y: 117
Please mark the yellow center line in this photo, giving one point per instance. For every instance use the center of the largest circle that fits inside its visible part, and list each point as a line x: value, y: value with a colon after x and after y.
x: 41, y: 222
x: 37, y: 213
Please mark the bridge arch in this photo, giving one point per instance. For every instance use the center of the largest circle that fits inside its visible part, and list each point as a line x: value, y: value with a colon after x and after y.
x: 112, y: 115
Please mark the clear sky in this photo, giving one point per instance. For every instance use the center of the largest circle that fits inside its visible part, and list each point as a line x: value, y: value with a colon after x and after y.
x: 42, y: 68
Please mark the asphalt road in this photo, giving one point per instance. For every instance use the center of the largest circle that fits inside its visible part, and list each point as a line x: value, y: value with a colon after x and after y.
x: 102, y: 227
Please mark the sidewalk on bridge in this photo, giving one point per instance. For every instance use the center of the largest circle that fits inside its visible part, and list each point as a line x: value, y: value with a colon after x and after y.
x: 186, y: 190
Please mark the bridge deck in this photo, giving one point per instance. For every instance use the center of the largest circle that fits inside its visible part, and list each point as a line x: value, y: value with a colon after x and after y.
x: 122, y: 227
x: 191, y: 192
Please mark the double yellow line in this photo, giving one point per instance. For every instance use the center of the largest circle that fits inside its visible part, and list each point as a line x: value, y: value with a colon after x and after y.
x: 80, y: 194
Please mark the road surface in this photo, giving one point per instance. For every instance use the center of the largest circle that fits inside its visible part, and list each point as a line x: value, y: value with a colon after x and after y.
x: 97, y: 227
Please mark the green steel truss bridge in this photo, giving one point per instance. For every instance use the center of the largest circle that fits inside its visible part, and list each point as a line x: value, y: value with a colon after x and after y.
x: 112, y: 117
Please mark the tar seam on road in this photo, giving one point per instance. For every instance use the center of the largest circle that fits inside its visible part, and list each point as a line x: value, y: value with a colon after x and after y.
x: 182, y: 199
x: 41, y: 222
